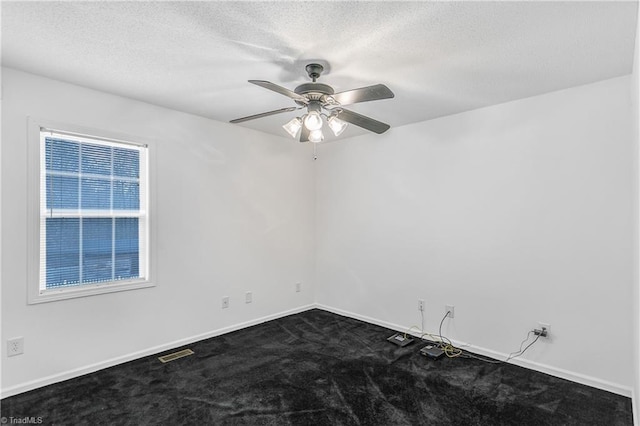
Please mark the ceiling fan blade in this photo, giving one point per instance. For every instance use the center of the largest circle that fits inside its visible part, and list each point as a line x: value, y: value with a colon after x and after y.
x: 362, y: 121
x: 280, y: 89
x: 304, y: 134
x: 363, y: 94
x: 263, y: 114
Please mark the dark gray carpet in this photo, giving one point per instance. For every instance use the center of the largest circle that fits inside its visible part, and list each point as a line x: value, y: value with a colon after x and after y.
x: 317, y: 368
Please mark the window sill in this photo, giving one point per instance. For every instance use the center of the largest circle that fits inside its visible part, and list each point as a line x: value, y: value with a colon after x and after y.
x: 87, y: 290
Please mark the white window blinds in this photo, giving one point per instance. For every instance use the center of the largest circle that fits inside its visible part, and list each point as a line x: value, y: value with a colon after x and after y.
x: 93, y: 211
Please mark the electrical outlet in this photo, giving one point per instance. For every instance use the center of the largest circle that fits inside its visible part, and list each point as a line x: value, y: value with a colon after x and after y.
x: 248, y: 297
x: 225, y: 302
x: 15, y: 346
x: 450, y: 309
x: 421, y: 305
x: 543, y: 329
x: 298, y: 287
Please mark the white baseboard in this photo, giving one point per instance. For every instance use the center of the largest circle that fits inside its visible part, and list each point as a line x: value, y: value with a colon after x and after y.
x: 554, y: 371
x: 532, y: 365
x: 59, y: 377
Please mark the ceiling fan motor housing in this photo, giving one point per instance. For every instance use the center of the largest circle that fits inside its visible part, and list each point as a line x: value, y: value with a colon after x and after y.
x: 314, y: 91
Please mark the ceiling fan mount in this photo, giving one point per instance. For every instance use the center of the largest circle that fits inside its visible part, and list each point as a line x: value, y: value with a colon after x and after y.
x: 316, y: 97
x: 314, y: 70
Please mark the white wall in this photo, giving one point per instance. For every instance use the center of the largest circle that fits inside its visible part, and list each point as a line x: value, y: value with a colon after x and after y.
x: 636, y: 297
x: 234, y: 213
x: 516, y: 213
x: 1, y: 226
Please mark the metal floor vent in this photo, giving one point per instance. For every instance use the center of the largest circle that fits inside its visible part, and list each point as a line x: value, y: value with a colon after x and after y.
x: 175, y: 355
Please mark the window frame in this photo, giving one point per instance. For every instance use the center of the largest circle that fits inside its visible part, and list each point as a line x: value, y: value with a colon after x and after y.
x: 36, y: 160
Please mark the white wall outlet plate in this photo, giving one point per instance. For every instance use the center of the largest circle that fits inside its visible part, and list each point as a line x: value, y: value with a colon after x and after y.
x: 546, y: 326
x: 451, y: 309
x: 15, y: 346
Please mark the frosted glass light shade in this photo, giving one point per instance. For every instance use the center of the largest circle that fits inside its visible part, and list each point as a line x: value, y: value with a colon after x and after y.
x: 316, y: 136
x: 336, y: 125
x: 293, y: 126
x: 313, y: 121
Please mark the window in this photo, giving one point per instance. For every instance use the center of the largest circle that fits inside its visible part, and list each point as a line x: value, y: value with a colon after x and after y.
x: 93, y: 215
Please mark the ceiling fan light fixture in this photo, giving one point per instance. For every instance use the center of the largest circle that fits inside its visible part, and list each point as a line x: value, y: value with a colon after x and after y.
x: 316, y: 136
x: 293, y: 126
x: 313, y: 121
x: 336, y: 125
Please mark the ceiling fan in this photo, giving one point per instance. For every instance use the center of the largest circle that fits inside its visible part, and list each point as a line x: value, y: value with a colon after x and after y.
x: 320, y: 100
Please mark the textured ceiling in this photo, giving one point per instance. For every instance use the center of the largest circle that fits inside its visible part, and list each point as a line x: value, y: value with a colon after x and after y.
x: 439, y: 58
